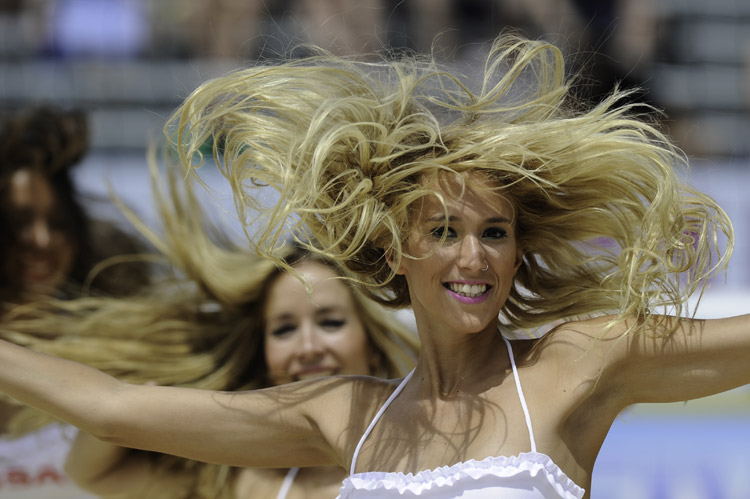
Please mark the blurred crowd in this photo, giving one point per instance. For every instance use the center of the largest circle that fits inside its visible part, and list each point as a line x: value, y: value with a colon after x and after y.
x: 691, y: 61
x: 247, y: 29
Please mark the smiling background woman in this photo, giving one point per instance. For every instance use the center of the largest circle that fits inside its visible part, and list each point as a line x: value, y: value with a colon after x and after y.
x: 316, y: 334
x: 49, y: 242
x: 355, y: 152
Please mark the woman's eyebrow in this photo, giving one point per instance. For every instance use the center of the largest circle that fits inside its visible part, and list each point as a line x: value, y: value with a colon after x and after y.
x: 282, y: 317
x: 329, y: 309
x: 499, y: 220
x: 441, y: 218
x: 453, y: 218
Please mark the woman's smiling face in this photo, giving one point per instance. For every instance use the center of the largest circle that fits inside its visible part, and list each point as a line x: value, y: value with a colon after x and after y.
x: 463, y: 280
x: 45, y: 252
x: 313, y: 335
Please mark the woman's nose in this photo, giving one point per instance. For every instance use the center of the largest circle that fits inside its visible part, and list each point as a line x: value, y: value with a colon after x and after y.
x: 471, y: 254
x: 39, y: 234
x: 310, y: 344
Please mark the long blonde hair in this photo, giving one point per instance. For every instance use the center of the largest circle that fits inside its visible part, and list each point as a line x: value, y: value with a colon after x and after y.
x: 604, y: 220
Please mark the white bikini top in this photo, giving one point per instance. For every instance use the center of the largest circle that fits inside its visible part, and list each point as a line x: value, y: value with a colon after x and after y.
x: 529, y: 475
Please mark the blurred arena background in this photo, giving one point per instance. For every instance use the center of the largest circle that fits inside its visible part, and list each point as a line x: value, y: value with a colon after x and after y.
x: 129, y: 63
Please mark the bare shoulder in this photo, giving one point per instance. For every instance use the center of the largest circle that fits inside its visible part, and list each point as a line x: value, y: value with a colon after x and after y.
x: 359, y: 396
x: 585, y: 353
x: 591, y: 338
x: 363, y: 389
x: 343, y: 406
x: 342, y: 394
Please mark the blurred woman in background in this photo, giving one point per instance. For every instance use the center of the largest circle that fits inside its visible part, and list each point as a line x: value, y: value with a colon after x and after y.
x: 49, y: 246
x: 48, y: 243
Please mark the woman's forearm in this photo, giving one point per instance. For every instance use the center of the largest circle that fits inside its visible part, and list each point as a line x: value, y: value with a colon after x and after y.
x: 69, y: 391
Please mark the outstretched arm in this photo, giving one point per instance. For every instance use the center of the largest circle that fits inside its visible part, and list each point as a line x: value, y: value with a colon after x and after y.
x: 283, y: 426
x: 697, y: 359
x: 600, y: 371
x: 700, y: 358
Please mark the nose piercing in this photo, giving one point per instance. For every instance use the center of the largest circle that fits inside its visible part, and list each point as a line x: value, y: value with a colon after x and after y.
x: 486, y: 266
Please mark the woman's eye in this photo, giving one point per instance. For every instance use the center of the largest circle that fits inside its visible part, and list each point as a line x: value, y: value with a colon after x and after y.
x: 20, y: 222
x: 282, y: 330
x: 332, y: 324
x: 442, y: 231
x: 495, y: 233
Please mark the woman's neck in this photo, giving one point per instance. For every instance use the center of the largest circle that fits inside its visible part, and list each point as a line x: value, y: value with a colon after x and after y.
x: 453, y: 362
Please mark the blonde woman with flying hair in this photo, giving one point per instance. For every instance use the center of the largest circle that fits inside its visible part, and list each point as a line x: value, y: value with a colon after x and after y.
x: 217, y: 328
x: 489, y: 209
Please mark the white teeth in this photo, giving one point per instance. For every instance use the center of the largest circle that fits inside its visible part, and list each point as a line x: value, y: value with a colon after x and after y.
x: 468, y: 290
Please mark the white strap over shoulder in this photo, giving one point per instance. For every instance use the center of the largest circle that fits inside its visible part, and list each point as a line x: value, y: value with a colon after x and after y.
x: 287, y: 483
x: 519, y: 390
x: 377, y: 417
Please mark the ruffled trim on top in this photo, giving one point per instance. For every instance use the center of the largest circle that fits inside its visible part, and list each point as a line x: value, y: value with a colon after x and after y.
x: 534, y: 463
